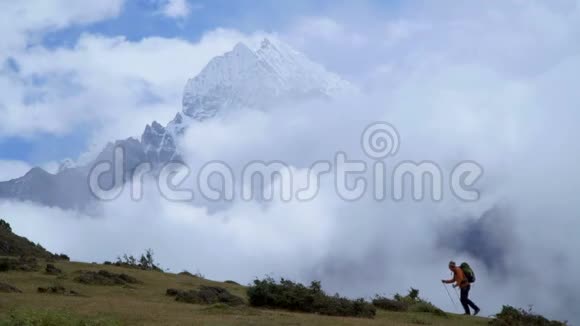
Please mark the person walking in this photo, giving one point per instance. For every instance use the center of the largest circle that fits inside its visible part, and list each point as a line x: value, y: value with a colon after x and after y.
x: 462, y: 282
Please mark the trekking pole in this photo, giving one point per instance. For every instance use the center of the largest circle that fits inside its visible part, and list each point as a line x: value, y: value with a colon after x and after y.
x: 457, y: 292
x: 450, y: 297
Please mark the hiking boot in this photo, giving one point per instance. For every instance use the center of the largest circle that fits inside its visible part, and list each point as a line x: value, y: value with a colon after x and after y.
x: 476, y: 312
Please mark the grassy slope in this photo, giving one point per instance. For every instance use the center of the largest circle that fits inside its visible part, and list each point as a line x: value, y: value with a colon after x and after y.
x: 146, y: 304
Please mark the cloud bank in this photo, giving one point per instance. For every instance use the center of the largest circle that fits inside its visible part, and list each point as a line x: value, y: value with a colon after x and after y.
x: 467, y: 83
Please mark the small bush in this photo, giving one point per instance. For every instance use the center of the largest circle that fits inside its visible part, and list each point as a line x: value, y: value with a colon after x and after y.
x: 198, y: 274
x: 510, y: 316
x: 296, y: 297
x: 103, y: 277
x: 426, y: 306
x: 22, y: 264
x: 5, y: 226
x: 389, y: 304
x: 410, y: 302
x: 206, y: 295
x: 146, y: 262
x: 231, y: 282
x: 57, y: 289
x: 52, y: 270
x: 62, y: 257
x: 186, y: 273
x: 410, y: 299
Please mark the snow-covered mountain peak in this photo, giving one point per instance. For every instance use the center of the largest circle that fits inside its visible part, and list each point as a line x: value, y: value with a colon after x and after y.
x: 272, y: 74
x: 300, y: 73
x: 240, y: 49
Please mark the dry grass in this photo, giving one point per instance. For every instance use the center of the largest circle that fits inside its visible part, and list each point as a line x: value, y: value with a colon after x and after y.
x: 147, y: 304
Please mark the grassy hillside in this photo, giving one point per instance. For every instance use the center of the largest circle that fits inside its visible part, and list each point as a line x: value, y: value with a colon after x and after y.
x: 38, y: 288
x: 145, y: 303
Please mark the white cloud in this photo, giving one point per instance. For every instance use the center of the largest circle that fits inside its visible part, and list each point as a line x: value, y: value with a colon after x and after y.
x: 177, y: 8
x: 23, y: 21
x: 325, y: 29
x: 399, y: 30
x: 322, y: 27
x: 495, y: 35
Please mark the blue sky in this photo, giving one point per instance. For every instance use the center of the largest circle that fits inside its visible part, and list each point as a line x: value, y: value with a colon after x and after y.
x: 138, y: 18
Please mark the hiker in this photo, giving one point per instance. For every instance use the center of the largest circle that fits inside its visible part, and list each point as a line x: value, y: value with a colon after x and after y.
x: 462, y: 282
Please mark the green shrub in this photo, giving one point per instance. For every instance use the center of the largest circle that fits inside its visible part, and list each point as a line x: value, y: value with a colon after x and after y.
x: 5, y: 226
x: 198, y: 274
x: 206, y: 295
x: 22, y: 264
x: 410, y: 299
x: 185, y: 273
x: 231, y: 282
x: 389, y: 304
x: 62, y: 257
x: 104, y: 277
x: 426, y: 306
x: 296, y: 297
x: 146, y: 262
x: 410, y: 302
x: 510, y: 316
